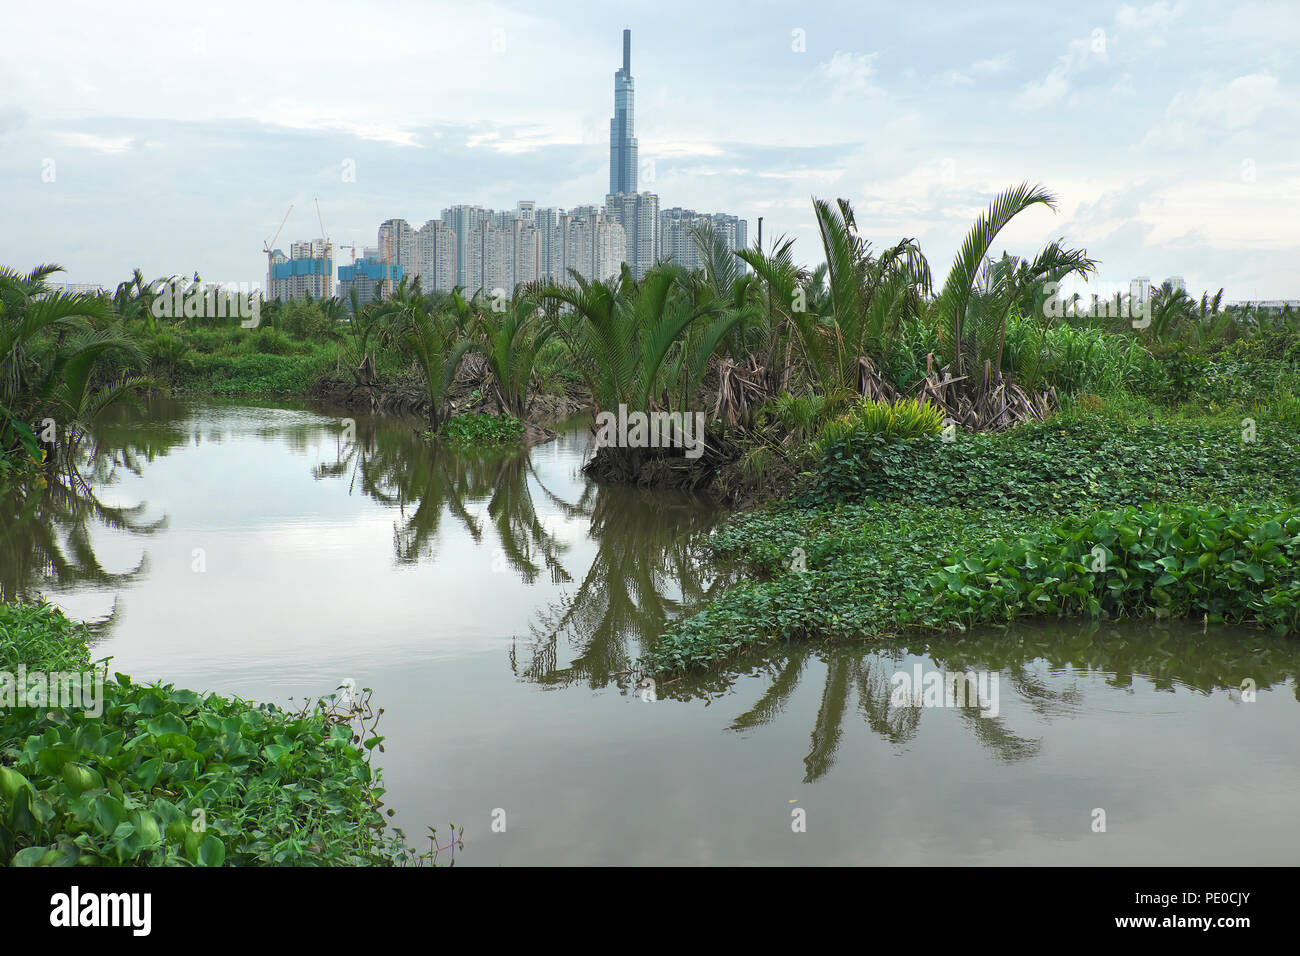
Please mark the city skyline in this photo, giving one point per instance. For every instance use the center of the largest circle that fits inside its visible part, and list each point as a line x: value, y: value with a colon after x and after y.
x: 480, y: 249
x: 1164, y: 128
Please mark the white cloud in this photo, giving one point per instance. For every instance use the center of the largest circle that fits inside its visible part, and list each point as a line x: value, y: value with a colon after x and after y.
x: 1224, y: 214
x: 1154, y: 17
x: 1037, y: 94
x: 850, y: 74
x: 1213, y: 112
x: 955, y: 78
x: 100, y: 144
x: 996, y: 64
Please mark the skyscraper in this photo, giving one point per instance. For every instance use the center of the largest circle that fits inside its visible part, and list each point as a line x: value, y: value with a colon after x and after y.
x: 638, y: 214
x: 622, y: 144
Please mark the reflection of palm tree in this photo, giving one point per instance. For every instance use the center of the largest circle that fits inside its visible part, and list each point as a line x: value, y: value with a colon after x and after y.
x: 844, y: 674
x: 1166, y: 655
x: 45, y: 538
x: 397, y: 468
x: 643, y: 575
x: 644, y: 572
x: 868, y: 673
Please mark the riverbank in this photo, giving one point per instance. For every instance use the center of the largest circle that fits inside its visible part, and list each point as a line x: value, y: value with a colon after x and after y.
x: 155, y: 776
x: 1103, y: 511
x: 270, y: 363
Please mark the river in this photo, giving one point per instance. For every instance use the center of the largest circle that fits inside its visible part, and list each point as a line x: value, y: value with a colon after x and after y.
x: 495, y: 602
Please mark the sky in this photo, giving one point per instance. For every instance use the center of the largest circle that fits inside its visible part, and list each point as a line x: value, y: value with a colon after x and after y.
x: 174, y: 138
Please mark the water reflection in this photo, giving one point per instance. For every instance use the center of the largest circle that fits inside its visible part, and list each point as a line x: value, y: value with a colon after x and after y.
x: 646, y: 571
x: 638, y: 565
x: 1041, y: 664
x: 46, y: 531
x: 460, y: 585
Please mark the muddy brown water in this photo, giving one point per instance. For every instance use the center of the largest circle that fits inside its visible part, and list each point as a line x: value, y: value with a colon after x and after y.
x: 495, y: 601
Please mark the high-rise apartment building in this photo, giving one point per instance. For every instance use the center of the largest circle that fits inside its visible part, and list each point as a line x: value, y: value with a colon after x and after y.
x: 463, y: 222
x: 550, y: 250
x: 397, y: 246
x: 308, y: 270
x: 638, y: 214
x: 435, y: 244
x: 678, y: 228
x: 589, y: 242
x: 527, y: 252
x: 622, y: 142
x: 367, y: 275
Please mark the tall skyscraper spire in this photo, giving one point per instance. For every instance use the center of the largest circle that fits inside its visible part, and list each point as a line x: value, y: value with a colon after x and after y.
x: 622, y: 144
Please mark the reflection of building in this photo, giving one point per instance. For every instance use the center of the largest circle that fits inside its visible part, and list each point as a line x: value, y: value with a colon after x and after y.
x: 308, y: 270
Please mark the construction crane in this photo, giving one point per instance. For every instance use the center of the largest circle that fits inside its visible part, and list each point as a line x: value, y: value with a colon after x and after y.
x: 327, y: 274
x: 351, y: 246
x: 270, y: 252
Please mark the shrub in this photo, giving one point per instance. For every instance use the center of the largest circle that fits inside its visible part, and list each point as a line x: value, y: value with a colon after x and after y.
x: 1070, y: 464
x: 270, y: 341
x: 855, y: 444
x: 305, y: 319
x: 901, y: 420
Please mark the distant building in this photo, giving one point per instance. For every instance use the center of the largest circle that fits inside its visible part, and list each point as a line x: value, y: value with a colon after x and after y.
x: 308, y: 270
x: 550, y: 250
x: 464, y: 222
x: 622, y: 142
x: 397, y: 246
x: 366, y: 275
x: 479, y: 249
x: 677, y: 228
x: 76, y: 288
x: 638, y: 214
x: 1268, y: 305
x: 435, y: 244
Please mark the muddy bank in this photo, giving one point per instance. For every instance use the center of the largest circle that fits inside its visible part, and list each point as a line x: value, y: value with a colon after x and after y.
x: 407, y: 397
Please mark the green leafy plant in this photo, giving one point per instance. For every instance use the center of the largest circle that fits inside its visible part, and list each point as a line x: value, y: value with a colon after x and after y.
x: 1238, y: 565
x: 476, y: 430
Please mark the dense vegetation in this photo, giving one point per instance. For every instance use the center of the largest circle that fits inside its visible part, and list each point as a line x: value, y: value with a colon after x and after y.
x: 771, y: 352
x: 172, y: 777
x: 933, y: 458
x: 922, y: 533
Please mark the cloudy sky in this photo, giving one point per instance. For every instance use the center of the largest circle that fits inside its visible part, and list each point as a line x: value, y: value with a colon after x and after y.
x: 171, y: 138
